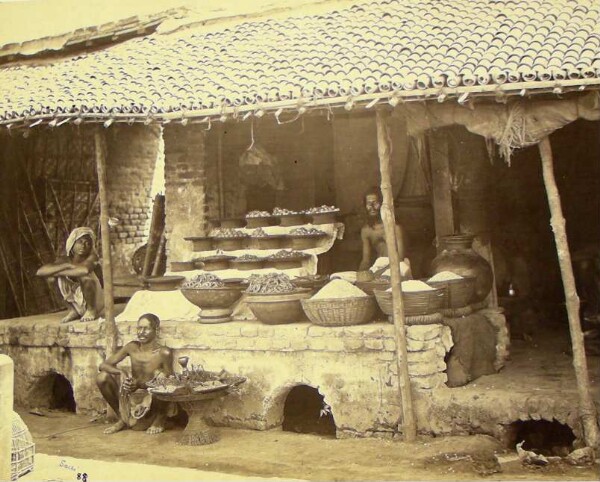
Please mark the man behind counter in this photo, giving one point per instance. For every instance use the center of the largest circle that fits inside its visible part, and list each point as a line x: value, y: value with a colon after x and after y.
x: 372, y: 235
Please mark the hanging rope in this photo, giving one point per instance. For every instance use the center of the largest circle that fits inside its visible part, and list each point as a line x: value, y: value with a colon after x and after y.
x: 251, y: 136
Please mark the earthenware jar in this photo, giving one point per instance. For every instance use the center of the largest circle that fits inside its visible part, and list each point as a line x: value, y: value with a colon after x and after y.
x: 459, y: 257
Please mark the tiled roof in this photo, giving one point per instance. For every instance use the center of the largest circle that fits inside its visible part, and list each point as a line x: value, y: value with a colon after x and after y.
x: 378, y: 47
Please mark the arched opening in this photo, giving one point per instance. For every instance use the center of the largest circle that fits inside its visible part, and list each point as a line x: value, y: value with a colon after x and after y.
x: 305, y: 411
x: 52, y: 391
x: 541, y: 436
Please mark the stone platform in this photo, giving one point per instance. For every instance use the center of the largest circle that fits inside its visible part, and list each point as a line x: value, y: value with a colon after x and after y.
x: 354, y: 368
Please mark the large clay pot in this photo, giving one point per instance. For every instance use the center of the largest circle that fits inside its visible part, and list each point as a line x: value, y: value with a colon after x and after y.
x: 459, y: 257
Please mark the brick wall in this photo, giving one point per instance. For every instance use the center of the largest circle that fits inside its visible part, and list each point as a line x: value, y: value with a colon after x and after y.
x: 185, y: 188
x: 131, y: 160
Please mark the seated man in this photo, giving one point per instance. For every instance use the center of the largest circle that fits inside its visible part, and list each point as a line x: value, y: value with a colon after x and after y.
x: 373, y: 238
x: 148, y: 359
x: 77, y: 282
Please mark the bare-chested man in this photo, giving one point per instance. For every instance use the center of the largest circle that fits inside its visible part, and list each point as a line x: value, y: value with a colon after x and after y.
x: 373, y: 235
x: 77, y: 281
x: 148, y: 359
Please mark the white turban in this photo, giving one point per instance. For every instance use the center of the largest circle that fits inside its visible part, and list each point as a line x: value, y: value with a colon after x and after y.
x: 76, y: 234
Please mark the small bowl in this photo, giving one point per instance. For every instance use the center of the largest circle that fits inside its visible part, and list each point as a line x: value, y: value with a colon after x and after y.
x: 307, y: 241
x: 259, y: 221
x: 312, y: 282
x: 292, y: 219
x: 286, y: 263
x: 324, y: 218
x: 274, y: 241
x: 247, y: 265
x: 201, y: 243
x: 213, y: 263
x: 163, y: 283
x: 231, y: 244
x: 182, y: 266
x: 230, y: 223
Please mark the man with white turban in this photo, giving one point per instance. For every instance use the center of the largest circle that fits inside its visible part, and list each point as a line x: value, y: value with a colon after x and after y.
x: 77, y: 281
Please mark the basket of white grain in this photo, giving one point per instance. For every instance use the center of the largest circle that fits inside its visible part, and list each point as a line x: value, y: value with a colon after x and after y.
x: 460, y: 290
x: 419, y: 298
x: 339, y: 303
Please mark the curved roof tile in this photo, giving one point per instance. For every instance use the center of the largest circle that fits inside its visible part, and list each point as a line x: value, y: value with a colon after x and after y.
x: 370, y: 47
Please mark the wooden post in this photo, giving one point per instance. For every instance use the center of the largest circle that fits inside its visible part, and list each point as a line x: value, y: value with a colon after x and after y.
x: 587, y: 409
x: 109, y: 304
x: 389, y: 224
x: 220, y: 171
x: 443, y: 207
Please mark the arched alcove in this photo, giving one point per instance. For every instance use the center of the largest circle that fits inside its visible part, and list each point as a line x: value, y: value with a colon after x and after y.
x: 542, y: 436
x: 305, y: 411
x: 52, y: 391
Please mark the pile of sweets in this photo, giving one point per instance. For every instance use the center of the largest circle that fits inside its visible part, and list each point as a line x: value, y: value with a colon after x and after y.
x: 203, y: 281
x: 339, y: 288
x: 307, y: 232
x: 445, y: 276
x: 269, y: 284
x: 258, y: 214
x: 322, y: 210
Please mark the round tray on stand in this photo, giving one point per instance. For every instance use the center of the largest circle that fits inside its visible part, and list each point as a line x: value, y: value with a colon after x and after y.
x: 197, y: 431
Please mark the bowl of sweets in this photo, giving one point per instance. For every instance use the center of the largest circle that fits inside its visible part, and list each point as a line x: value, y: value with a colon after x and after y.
x: 323, y: 214
x: 259, y: 219
x: 287, y: 259
x: 305, y: 238
x: 228, y: 239
x: 289, y: 218
x: 274, y: 299
x: 214, y: 297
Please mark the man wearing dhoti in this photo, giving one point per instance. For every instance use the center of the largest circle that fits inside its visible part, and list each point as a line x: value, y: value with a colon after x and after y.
x: 78, y: 283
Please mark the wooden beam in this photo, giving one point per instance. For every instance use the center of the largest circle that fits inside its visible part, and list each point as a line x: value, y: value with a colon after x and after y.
x: 409, y: 424
x: 587, y: 410
x: 109, y: 303
x: 443, y: 210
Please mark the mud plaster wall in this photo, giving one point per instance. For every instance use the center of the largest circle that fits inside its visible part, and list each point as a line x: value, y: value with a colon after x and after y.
x: 353, y: 367
x: 131, y: 159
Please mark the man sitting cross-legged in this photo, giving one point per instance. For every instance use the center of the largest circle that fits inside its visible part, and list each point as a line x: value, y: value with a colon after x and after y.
x: 127, y: 395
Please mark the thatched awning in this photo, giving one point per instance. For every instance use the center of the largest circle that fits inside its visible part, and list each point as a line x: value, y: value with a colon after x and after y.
x: 516, y: 124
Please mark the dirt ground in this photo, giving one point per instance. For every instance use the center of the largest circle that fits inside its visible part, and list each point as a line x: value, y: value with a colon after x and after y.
x: 289, y: 455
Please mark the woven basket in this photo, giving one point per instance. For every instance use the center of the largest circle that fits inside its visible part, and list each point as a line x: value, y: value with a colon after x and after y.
x: 340, y: 311
x: 415, y: 302
x: 431, y: 319
x: 459, y: 292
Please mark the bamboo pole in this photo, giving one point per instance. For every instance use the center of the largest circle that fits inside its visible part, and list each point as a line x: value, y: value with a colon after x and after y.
x: 109, y: 305
x: 587, y: 409
x: 220, y: 171
x: 389, y: 224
